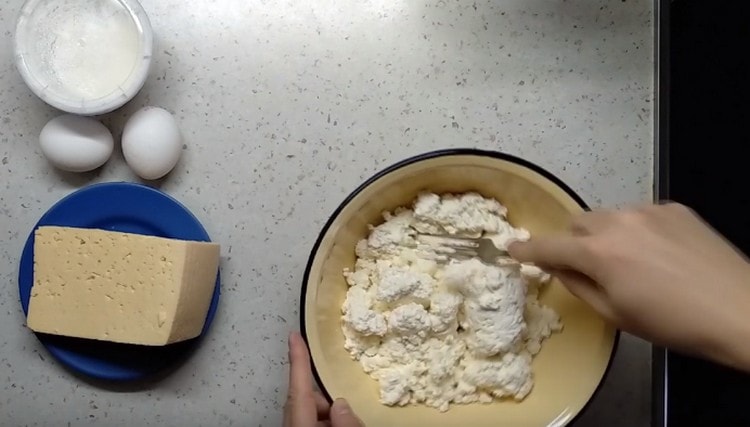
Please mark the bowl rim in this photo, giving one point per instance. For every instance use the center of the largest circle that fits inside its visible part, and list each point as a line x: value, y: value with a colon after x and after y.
x: 415, y: 159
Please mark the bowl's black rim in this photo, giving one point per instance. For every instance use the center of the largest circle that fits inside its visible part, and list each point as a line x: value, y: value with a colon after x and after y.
x: 419, y: 158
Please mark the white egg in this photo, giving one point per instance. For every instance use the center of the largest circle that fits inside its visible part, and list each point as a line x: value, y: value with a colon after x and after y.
x: 75, y: 143
x: 151, y: 142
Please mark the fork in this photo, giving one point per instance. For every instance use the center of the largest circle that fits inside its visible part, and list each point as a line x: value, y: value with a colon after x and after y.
x: 469, y: 247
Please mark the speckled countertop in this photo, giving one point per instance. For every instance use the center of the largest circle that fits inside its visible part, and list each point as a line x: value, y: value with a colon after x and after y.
x: 285, y: 107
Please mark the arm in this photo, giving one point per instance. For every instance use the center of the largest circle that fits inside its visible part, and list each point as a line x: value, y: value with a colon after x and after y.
x: 658, y: 272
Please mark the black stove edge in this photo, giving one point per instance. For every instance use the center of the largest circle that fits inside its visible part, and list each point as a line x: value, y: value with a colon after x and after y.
x: 659, y: 387
x: 659, y: 383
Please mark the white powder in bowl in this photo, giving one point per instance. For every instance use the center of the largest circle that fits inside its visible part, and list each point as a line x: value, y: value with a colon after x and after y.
x: 83, y: 49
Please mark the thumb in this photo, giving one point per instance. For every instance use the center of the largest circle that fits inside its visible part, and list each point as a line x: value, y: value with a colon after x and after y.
x: 343, y: 416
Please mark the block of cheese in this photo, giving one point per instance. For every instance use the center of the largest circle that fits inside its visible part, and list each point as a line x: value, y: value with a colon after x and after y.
x: 120, y: 287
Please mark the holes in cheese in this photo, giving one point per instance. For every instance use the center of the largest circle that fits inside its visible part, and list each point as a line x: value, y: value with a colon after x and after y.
x: 120, y: 287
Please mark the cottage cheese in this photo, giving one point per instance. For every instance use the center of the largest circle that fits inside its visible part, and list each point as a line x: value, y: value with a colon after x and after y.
x: 438, y: 331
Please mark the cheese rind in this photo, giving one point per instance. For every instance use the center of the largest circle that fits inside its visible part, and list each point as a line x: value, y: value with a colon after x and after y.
x: 120, y: 287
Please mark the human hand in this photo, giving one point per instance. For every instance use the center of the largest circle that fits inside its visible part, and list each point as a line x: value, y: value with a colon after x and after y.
x: 306, y: 407
x: 656, y: 271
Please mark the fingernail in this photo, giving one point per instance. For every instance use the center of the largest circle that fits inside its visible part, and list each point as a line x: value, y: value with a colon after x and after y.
x: 341, y: 406
x: 293, y: 337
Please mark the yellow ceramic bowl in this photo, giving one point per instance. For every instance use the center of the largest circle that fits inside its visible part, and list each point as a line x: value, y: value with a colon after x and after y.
x: 571, y: 365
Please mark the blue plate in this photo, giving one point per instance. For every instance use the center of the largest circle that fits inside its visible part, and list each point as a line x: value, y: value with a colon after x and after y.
x: 130, y: 208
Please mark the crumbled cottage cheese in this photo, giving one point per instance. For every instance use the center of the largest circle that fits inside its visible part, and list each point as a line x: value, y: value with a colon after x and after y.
x: 435, y: 330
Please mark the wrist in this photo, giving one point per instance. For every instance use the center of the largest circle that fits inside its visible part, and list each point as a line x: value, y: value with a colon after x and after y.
x: 731, y: 345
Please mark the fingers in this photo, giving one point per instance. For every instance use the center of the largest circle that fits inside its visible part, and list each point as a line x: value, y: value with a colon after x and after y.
x: 300, y: 372
x: 596, y: 222
x: 593, y: 222
x: 300, y: 375
x: 565, y: 252
x: 587, y: 290
x: 322, y: 406
x: 343, y: 416
x: 301, y: 405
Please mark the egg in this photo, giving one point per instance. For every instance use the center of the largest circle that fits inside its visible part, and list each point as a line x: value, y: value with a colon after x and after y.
x: 151, y: 142
x: 75, y: 143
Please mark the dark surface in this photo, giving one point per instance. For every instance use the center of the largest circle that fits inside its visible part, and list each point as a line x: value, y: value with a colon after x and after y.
x: 706, y: 169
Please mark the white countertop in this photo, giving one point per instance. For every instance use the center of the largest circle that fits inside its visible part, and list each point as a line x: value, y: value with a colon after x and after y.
x: 286, y: 107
